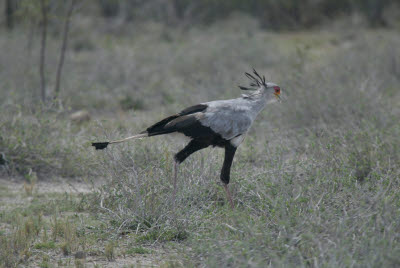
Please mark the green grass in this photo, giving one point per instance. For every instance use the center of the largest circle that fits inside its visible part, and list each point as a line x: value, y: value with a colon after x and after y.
x: 45, y: 245
x: 137, y: 250
x: 162, y: 236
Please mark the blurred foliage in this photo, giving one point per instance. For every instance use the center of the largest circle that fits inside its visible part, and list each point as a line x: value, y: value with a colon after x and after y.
x: 272, y: 14
x: 275, y: 14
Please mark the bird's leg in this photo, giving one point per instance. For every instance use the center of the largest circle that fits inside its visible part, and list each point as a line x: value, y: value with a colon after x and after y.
x: 175, y: 179
x: 228, y: 194
x: 191, y: 147
x: 226, y: 170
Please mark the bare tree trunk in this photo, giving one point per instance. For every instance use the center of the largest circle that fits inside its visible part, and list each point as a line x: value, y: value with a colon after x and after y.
x: 43, y: 4
x: 9, y: 10
x: 375, y: 9
x: 63, y: 48
x: 172, y: 18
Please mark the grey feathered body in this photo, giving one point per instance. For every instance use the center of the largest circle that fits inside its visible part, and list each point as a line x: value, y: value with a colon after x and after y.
x: 215, y: 122
x: 231, y: 118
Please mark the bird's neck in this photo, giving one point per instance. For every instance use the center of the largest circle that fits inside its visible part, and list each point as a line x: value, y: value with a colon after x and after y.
x: 257, y: 102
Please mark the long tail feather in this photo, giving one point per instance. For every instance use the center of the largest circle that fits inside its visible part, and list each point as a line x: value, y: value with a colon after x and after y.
x: 103, y: 145
x: 100, y: 145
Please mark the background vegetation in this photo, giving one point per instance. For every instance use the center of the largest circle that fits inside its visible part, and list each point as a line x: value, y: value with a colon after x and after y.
x: 315, y: 183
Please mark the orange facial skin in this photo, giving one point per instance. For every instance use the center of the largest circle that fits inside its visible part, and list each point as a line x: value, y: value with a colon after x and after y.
x: 277, y: 91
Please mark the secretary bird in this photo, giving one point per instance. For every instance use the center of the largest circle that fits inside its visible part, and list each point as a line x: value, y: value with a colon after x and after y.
x: 222, y: 123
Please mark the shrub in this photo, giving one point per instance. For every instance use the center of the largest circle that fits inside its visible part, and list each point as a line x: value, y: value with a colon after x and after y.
x: 41, y: 142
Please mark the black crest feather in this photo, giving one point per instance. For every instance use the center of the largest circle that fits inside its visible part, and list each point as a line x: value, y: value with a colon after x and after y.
x: 245, y: 88
x: 262, y: 79
x: 256, y: 81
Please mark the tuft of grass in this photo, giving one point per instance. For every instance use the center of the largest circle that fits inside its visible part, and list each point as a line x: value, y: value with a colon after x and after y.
x: 31, y: 179
x: 66, y: 249
x: 45, y: 245
x: 109, y: 250
x: 79, y: 263
x: 160, y: 235
x: 45, y: 261
x: 137, y: 250
x: 66, y: 231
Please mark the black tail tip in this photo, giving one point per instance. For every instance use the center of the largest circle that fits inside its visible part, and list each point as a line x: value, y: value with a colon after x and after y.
x: 100, y: 145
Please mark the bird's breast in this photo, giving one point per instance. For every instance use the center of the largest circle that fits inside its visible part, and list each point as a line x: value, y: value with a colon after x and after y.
x: 237, y: 140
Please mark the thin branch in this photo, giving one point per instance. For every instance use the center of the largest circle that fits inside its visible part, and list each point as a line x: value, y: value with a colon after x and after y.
x: 43, y: 4
x: 107, y: 209
x: 9, y: 10
x: 63, y: 47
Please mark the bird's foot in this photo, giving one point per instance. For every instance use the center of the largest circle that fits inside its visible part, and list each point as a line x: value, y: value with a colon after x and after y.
x: 228, y: 194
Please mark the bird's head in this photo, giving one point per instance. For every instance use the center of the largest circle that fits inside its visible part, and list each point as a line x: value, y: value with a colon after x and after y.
x: 271, y: 91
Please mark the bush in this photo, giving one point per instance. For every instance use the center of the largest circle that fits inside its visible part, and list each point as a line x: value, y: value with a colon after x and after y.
x: 42, y: 141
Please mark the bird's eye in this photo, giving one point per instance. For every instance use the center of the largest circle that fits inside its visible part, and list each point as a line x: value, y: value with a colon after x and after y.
x: 277, y: 90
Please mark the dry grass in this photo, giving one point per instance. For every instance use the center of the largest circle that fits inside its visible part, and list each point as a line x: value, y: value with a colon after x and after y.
x: 315, y: 183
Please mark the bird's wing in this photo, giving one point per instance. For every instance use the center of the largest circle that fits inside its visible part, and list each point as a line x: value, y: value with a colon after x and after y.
x: 177, y: 122
x: 228, y: 119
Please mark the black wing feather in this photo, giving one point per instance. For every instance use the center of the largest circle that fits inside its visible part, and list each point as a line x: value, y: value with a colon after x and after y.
x: 175, y: 122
